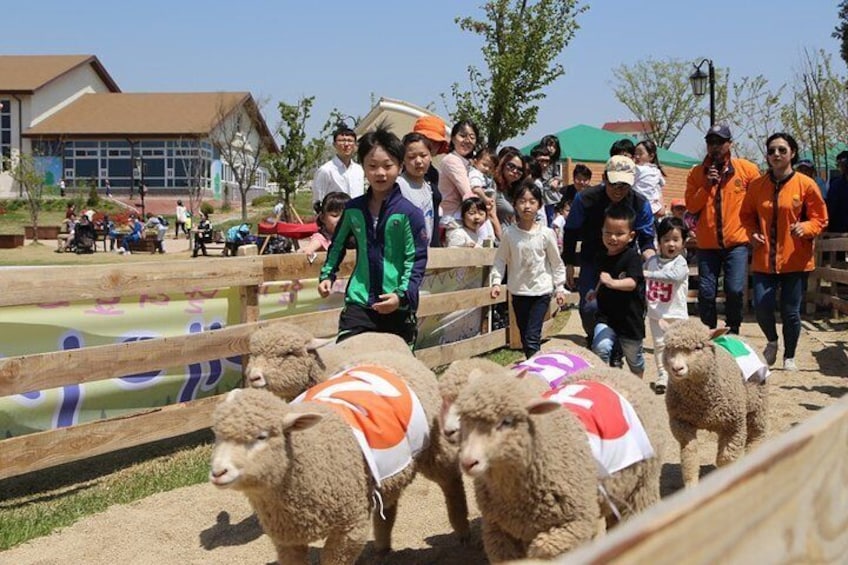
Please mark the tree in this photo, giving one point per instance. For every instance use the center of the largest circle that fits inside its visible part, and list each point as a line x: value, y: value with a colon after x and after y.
x: 658, y: 93
x: 292, y: 167
x: 30, y: 178
x: 240, y: 139
x: 841, y: 31
x: 754, y: 110
x: 521, y: 41
x: 189, y: 155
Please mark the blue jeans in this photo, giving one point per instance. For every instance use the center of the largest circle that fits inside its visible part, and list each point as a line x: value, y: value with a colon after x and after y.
x: 604, y: 342
x: 529, y: 315
x: 734, y: 263
x: 791, y: 295
x: 587, y: 280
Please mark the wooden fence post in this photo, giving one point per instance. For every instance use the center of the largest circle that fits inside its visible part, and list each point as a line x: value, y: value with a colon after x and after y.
x: 249, y: 302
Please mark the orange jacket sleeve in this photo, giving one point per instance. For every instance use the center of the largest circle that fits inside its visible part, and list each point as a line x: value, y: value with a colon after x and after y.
x: 697, y: 190
x: 816, y: 212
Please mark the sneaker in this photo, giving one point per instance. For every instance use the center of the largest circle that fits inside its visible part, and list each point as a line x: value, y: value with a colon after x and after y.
x: 770, y: 353
x: 789, y: 365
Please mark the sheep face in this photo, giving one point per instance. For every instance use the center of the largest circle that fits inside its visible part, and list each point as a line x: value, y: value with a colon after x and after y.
x: 501, y: 439
x: 449, y: 420
x: 689, y: 352
x: 249, y: 427
x: 283, y: 361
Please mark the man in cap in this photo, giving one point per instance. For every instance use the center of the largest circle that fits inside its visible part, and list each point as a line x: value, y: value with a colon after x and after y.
x: 808, y: 168
x: 715, y: 190
x: 341, y: 173
x: 837, y: 197
x: 585, y: 223
x: 433, y: 129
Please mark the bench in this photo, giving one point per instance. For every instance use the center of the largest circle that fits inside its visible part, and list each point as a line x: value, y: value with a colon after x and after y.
x: 216, y: 244
x: 146, y: 244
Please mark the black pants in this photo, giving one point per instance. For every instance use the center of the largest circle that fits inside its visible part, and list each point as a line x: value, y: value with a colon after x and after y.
x: 356, y: 319
x: 199, y: 245
x: 529, y: 316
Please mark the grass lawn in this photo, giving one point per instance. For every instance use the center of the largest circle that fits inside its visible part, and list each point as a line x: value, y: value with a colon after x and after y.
x: 39, y: 503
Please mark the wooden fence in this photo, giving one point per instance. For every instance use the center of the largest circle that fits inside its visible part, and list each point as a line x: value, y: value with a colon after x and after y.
x: 26, y: 286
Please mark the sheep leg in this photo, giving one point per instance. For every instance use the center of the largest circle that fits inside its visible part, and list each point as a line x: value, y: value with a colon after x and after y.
x: 756, y: 430
x: 383, y: 528
x: 731, y: 445
x: 556, y: 541
x: 687, y: 436
x: 454, y: 492
x: 499, y: 545
x: 344, y: 546
x: 294, y: 554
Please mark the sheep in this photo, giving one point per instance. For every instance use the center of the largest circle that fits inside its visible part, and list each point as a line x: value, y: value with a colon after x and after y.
x: 437, y: 461
x: 706, y: 390
x: 287, y: 360
x: 622, y: 494
x: 551, y: 367
x: 534, y: 475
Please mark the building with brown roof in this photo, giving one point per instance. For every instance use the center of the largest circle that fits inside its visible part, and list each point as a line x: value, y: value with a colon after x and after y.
x: 72, y: 117
x: 638, y: 129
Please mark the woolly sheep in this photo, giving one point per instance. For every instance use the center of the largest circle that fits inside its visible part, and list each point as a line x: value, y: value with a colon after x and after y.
x: 630, y: 490
x: 706, y: 390
x: 534, y: 474
x: 287, y: 360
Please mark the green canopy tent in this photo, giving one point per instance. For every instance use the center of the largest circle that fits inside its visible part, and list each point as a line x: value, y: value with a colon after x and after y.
x: 583, y: 143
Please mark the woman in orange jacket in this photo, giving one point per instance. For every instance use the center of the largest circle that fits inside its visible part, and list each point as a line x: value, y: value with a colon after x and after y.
x: 783, y: 212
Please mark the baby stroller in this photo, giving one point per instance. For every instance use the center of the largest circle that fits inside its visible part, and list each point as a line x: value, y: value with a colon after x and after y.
x: 85, y: 237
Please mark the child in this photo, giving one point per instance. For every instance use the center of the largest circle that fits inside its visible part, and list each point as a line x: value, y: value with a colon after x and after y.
x: 561, y: 210
x: 329, y: 212
x: 666, y: 288
x: 649, y: 176
x: 528, y: 250
x: 391, y: 247
x: 413, y: 184
x: 480, y: 178
x: 155, y: 223
x: 620, y: 295
x: 202, y: 235
x: 472, y: 232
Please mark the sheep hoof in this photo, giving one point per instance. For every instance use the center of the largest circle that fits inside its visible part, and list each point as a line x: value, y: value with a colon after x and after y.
x: 658, y: 388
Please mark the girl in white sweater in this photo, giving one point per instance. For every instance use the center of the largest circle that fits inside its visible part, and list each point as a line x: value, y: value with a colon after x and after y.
x: 666, y: 288
x: 528, y: 251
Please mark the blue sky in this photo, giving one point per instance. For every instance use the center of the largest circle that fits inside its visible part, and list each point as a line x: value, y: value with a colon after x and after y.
x: 344, y: 53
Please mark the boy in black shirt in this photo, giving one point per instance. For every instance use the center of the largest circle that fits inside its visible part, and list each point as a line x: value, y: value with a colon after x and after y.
x: 621, y: 291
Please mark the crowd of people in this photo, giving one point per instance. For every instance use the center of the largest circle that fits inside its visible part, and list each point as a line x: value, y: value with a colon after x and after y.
x: 392, y: 203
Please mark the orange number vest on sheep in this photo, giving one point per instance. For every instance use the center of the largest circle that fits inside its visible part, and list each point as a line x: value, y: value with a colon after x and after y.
x: 383, y: 413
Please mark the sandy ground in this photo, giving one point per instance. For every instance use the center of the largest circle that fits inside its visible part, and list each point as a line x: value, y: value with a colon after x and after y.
x: 200, y: 524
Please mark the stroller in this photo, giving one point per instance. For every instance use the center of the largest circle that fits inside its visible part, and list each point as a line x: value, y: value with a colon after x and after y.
x: 85, y: 237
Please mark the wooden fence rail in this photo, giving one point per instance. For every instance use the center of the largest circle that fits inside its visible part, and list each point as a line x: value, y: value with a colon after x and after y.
x: 25, y: 373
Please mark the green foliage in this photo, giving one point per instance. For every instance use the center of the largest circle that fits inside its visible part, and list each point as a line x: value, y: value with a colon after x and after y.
x: 206, y: 208
x: 292, y: 167
x: 841, y: 31
x: 658, y: 92
x: 28, y: 174
x: 93, y: 199
x: 264, y: 200
x: 521, y: 43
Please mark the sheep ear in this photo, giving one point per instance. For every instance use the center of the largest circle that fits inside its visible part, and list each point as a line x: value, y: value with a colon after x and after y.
x: 232, y: 394
x: 316, y: 343
x: 542, y: 406
x: 296, y: 422
x: 718, y: 332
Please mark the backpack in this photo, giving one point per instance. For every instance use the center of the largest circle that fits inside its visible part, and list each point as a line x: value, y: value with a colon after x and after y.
x: 163, y: 221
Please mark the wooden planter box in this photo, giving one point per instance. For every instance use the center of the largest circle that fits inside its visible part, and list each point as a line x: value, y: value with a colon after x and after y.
x: 44, y: 232
x: 10, y: 241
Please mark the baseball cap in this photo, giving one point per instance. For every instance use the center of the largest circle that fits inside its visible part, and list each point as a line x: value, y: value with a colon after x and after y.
x: 620, y: 169
x: 678, y: 203
x: 433, y: 128
x: 719, y: 130
x: 805, y: 163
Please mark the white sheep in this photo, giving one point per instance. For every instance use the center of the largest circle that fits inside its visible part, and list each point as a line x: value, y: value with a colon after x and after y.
x: 534, y: 474
x: 287, y: 360
x: 436, y: 461
x: 707, y: 390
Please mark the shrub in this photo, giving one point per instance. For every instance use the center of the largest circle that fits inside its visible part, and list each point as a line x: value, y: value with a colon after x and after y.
x: 264, y: 200
x: 206, y: 208
x: 93, y: 198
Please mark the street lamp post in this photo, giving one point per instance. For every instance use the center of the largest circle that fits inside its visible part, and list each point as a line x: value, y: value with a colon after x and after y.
x: 699, y: 79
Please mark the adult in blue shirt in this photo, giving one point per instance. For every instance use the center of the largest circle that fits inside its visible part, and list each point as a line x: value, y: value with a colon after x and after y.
x: 585, y: 223
x: 837, y: 197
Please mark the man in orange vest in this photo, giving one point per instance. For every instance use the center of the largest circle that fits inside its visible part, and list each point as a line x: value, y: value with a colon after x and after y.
x: 715, y: 190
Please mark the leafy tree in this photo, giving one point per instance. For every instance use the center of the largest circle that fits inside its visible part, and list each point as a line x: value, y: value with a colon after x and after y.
x: 754, y: 110
x: 841, y: 31
x: 298, y: 157
x: 522, y: 39
x: 659, y: 93
x: 189, y: 154
x: 29, y: 175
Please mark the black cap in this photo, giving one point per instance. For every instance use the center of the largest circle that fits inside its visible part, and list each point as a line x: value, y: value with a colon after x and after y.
x: 719, y: 130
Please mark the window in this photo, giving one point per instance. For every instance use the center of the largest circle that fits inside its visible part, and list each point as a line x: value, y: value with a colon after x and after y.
x: 5, y: 133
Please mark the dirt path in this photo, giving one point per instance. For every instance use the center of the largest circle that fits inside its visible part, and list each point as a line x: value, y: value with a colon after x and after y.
x: 200, y: 524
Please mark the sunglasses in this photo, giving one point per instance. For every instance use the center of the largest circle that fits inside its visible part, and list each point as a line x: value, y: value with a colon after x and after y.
x: 783, y: 150
x: 513, y: 168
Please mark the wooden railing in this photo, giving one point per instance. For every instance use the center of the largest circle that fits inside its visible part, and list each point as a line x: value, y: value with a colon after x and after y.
x: 823, y: 288
x: 26, y: 286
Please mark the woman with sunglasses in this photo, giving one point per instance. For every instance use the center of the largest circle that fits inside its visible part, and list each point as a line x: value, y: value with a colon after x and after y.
x: 782, y: 213
x: 511, y: 169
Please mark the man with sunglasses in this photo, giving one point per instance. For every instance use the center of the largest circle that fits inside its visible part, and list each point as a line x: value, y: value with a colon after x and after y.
x: 585, y: 223
x: 715, y: 190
